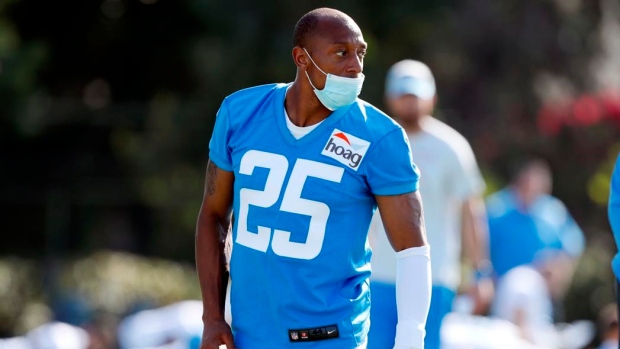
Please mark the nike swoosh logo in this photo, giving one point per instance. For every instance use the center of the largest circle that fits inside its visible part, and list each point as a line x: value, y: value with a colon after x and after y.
x: 330, y: 332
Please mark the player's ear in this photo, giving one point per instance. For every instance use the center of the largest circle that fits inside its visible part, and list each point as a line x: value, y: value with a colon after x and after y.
x: 300, y: 58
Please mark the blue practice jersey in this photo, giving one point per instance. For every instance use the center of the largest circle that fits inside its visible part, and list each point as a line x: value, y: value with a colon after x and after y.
x: 300, y: 260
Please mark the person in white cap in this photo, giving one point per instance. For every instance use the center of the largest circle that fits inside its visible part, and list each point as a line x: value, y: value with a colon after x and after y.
x: 451, y: 186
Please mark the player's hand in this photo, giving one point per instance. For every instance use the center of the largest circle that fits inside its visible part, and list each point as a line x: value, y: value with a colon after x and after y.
x: 482, y: 293
x: 216, y: 333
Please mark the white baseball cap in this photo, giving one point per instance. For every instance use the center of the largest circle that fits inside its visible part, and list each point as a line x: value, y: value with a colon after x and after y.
x: 410, y: 77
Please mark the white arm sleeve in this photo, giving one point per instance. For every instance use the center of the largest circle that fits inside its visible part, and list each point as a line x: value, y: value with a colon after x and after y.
x: 413, y: 296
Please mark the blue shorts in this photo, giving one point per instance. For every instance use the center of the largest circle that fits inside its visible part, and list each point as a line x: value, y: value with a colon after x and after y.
x: 383, y: 316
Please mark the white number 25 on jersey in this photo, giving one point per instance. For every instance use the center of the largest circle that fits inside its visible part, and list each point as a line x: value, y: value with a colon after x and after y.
x: 291, y: 202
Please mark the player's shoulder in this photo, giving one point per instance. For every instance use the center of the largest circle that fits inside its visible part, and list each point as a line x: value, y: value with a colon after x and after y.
x: 443, y: 132
x: 252, y: 94
x: 447, y: 141
x: 250, y: 104
x: 550, y: 206
x: 499, y: 203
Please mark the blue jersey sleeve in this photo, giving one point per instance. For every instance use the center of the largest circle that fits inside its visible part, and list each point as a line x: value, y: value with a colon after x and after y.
x: 613, y: 211
x: 391, y: 170
x: 219, y: 152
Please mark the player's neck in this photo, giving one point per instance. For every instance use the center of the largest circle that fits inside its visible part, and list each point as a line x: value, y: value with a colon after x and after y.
x: 303, y: 107
x: 412, y: 125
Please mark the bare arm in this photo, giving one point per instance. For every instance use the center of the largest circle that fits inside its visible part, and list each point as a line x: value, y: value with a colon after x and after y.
x: 475, y: 234
x: 404, y: 225
x: 520, y: 322
x: 403, y: 220
x: 211, y: 232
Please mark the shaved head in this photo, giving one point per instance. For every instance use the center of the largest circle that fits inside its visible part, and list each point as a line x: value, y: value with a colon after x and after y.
x: 308, y: 24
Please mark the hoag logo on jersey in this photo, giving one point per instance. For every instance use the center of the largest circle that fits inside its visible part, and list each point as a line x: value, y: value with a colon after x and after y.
x: 346, y: 149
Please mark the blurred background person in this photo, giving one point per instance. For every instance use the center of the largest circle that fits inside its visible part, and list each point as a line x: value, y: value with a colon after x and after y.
x: 524, y: 219
x: 524, y: 297
x: 451, y: 187
x: 178, y: 325
x: 52, y: 335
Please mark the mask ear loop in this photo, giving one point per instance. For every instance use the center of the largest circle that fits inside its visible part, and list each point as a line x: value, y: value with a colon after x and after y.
x: 317, y: 67
x: 310, y: 81
x: 312, y: 60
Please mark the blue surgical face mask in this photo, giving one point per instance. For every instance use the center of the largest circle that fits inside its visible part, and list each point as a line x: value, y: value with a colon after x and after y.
x: 338, y: 91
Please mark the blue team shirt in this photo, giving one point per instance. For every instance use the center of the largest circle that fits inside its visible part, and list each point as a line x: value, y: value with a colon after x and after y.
x: 302, y: 209
x: 614, y: 214
x: 516, y: 236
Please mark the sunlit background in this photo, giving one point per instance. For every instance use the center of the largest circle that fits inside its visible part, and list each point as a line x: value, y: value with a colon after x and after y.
x: 107, y: 107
